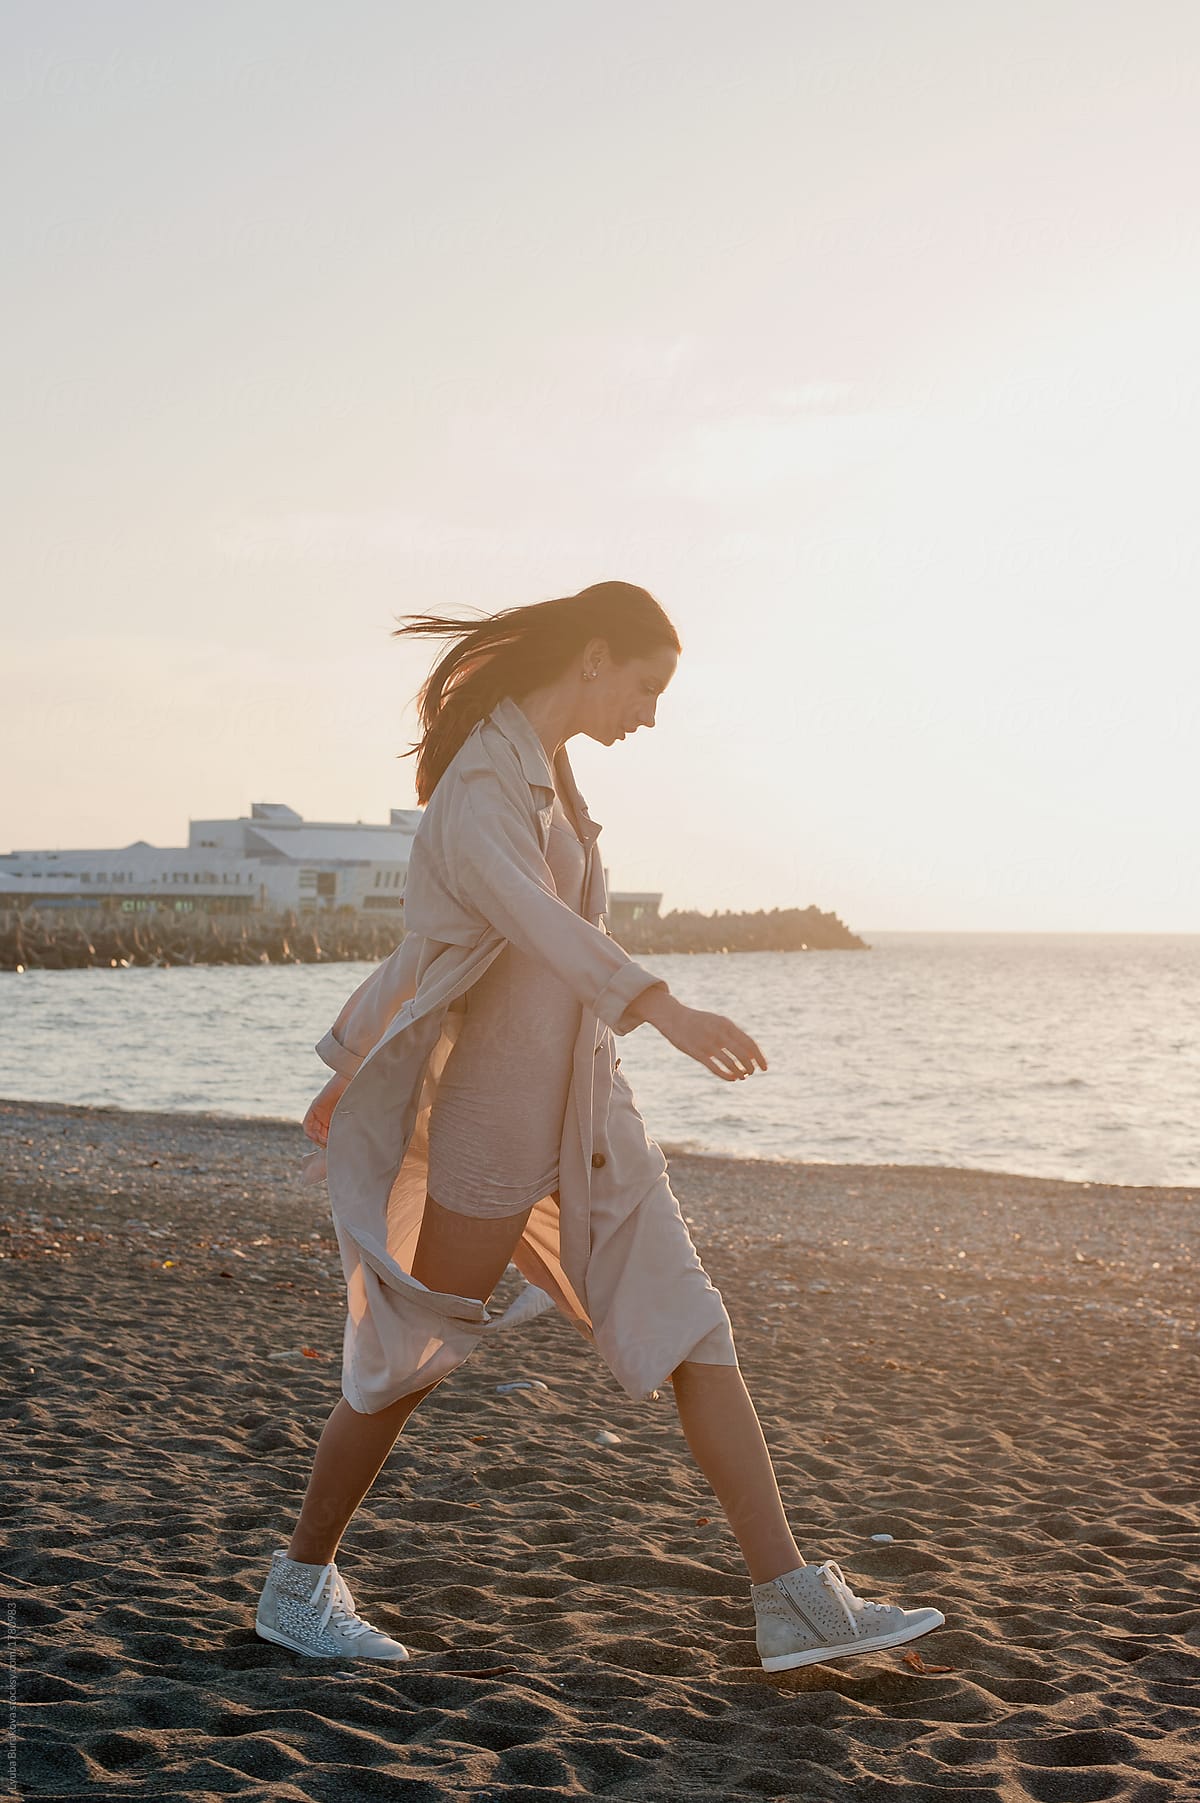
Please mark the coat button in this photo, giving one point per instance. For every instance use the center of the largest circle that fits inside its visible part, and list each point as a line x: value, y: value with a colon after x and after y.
x: 597, y: 1160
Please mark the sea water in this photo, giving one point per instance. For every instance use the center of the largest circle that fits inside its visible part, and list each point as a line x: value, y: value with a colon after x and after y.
x: 1055, y: 1055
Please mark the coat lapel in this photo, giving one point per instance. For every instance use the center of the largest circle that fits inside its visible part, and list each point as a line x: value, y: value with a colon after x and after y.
x: 518, y: 728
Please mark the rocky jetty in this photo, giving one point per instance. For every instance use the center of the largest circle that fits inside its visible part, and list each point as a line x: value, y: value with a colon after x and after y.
x: 61, y: 940
x: 766, y: 930
x: 58, y: 941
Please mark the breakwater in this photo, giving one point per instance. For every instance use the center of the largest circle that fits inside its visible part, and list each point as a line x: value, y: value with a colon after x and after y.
x: 765, y: 930
x: 61, y: 940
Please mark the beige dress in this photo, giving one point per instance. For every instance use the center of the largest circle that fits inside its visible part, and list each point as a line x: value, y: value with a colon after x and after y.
x: 496, y: 1126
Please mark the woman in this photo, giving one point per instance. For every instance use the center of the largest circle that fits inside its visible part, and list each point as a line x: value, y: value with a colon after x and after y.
x: 477, y: 1117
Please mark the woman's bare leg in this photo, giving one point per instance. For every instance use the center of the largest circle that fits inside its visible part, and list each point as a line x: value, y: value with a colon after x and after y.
x: 722, y: 1429
x: 350, y: 1455
x: 455, y: 1253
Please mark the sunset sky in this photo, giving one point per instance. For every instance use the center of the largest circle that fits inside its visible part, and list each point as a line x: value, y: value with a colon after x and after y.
x: 864, y: 336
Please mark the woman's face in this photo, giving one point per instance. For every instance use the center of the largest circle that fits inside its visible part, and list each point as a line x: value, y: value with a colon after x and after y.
x: 624, y: 696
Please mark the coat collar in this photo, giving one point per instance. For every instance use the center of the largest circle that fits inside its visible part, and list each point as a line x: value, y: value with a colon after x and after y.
x: 516, y: 726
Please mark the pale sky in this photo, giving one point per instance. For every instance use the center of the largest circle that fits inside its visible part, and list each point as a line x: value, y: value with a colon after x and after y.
x: 864, y: 336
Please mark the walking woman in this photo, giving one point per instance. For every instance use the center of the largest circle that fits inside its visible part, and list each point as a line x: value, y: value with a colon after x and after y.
x: 477, y: 1116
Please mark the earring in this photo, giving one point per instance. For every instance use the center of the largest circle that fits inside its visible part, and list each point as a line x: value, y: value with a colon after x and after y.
x: 588, y: 675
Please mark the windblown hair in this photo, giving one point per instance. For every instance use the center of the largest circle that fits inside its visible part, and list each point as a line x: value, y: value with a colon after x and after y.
x: 515, y: 651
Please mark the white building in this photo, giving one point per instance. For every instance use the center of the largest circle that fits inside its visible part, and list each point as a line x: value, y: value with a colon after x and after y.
x: 270, y: 860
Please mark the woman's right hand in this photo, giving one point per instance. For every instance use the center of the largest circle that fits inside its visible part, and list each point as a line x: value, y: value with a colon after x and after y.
x: 320, y: 1109
x: 713, y: 1040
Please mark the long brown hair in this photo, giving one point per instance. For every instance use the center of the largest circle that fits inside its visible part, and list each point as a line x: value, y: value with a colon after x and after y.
x: 519, y: 649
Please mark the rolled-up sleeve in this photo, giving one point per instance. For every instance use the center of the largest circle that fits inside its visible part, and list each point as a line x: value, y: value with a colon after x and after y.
x: 338, y: 1057
x: 496, y: 866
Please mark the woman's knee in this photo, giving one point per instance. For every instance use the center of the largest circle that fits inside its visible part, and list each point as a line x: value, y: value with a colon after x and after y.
x: 393, y: 1414
x: 697, y: 1372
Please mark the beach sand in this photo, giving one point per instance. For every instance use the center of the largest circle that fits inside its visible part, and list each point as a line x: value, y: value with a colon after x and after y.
x: 998, y: 1371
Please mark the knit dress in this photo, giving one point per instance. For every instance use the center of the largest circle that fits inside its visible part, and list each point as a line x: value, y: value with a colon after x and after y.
x: 496, y: 1124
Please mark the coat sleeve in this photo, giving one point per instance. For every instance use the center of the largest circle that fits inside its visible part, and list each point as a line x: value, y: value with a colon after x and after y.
x: 495, y: 865
x: 365, y: 1013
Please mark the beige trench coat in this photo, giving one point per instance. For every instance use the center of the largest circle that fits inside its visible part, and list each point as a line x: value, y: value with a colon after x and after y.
x: 615, y: 1253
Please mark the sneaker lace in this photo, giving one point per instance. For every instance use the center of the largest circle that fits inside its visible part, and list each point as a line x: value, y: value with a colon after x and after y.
x: 339, y: 1604
x: 853, y: 1606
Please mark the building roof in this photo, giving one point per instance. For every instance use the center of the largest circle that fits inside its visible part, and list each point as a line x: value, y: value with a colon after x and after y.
x: 328, y: 844
x: 275, y: 810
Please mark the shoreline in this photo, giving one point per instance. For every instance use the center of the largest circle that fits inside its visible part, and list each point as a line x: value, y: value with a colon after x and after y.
x: 180, y: 1119
x: 214, y: 1183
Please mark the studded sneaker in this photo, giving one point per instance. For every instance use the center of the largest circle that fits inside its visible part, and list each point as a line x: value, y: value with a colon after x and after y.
x: 811, y: 1614
x: 309, y: 1608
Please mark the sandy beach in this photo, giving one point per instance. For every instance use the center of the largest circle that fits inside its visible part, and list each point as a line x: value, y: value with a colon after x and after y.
x: 1000, y: 1372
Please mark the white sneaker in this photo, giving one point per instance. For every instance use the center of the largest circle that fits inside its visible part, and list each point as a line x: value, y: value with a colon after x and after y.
x: 309, y: 1608
x: 811, y: 1614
